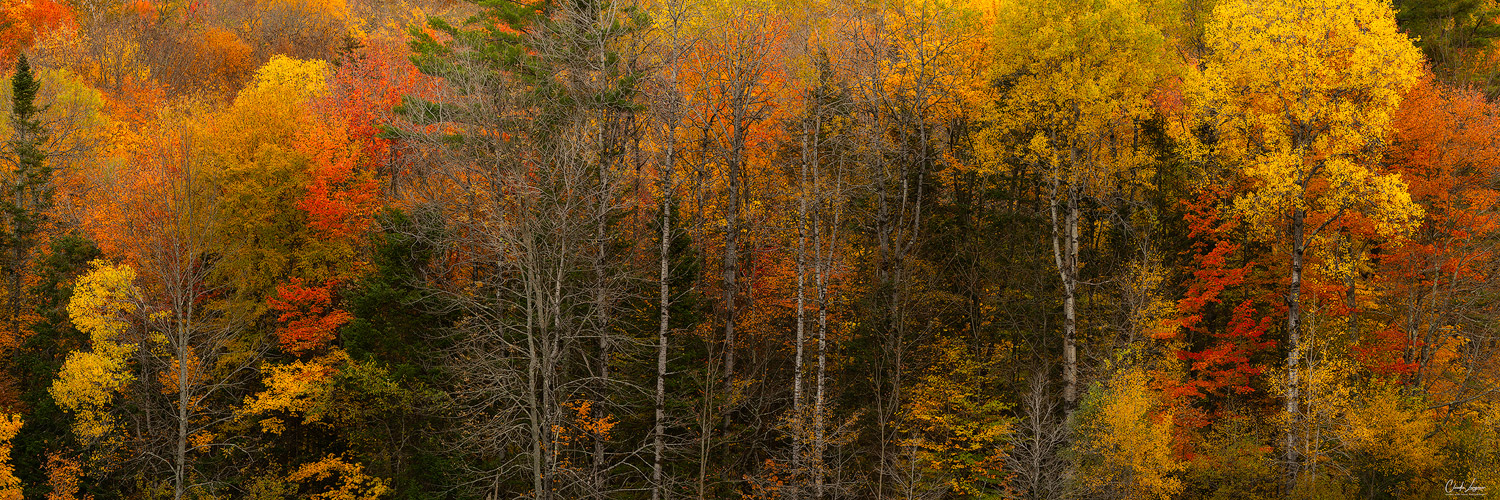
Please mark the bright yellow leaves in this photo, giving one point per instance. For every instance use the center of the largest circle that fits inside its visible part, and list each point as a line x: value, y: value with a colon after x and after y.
x: 352, y: 481
x: 1391, y: 432
x: 958, y: 427
x: 10, y: 485
x: 1080, y: 74
x: 1127, y: 439
x: 1301, y: 89
x: 102, y: 304
x: 315, y: 8
x: 295, y: 389
x: 302, y: 78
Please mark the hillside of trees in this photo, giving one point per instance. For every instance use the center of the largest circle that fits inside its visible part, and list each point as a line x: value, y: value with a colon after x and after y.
x: 723, y: 249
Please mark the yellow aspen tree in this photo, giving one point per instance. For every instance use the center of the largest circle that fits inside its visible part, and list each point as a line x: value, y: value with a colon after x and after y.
x: 352, y: 483
x: 1126, y: 443
x: 102, y: 304
x: 1079, y: 77
x: 1299, y: 91
x: 10, y: 485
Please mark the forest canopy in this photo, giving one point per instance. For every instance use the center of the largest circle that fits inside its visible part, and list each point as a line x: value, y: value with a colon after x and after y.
x: 772, y: 249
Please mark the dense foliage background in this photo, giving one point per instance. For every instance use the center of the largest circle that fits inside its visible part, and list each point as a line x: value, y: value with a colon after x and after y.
x: 812, y: 249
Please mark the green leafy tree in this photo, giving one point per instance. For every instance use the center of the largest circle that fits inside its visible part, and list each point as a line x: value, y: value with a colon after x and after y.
x: 1453, y: 34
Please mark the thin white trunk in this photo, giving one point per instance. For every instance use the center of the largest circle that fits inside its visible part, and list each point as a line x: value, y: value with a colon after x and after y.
x: 665, y: 303
x: 1294, y: 351
x: 798, y: 415
x: 821, y: 257
x: 1065, y: 256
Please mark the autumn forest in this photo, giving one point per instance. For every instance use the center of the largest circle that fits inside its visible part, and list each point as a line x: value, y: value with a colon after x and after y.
x: 770, y: 249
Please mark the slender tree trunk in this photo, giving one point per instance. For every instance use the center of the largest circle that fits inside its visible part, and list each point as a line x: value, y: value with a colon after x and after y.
x: 599, y: 471
x: 668, y: 189
x: 710, y: 380
x: 181, y: 289
x: 665, y: 303
x: 1065, y: 256
x: 731, y: 245
x: 819, y: 405
x: 182, y: 415
x: 797, y: 410
x: 1294, y: 349
x: 821, y: 258
x: 533, y: 372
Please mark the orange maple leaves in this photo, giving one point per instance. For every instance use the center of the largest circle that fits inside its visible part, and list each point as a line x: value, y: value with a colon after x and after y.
x: 341, y: 142
x: 22, y: 23
x: 309, y: 320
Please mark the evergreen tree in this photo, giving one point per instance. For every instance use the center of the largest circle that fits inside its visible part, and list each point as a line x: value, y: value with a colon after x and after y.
x: 25, y: 193
x: 40, y: 356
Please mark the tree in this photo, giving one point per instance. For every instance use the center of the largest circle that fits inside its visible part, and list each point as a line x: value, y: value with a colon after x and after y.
x: 1300, y: 90
x: 1078, y: 77
x: 1453, y: 34
x: 25, y: 198
x: 1125, y: 440
x: 24, y: 22
x: 1443, y: 145
x: 10, y: 485
x: 194, y: 359
x: 41, y: 356
x: 545, y: 111
x: 668, y: 113
x: 958, y: 428
x: 88, y: 383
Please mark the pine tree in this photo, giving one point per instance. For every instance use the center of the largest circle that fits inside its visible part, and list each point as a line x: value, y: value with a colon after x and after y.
x: 25, y: 193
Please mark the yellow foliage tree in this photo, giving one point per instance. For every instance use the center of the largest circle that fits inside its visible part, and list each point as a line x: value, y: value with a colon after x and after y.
x: 102, y: 303
x: 352, y: 481
x: 1079, y: 77
x: 10, y: 485
x: 1299, y: 91
x: 1126, y: 444
x: 1390, y: 434
x: 298, y: 389
x: 958, y: 429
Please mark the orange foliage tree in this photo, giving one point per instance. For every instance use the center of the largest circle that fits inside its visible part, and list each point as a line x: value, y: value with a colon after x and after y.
x: 23, y: 22
x: 1444, y: 146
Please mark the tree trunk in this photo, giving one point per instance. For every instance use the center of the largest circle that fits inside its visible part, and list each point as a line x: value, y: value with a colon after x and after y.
x: 182, y: 415
x: 821, y: 258
x: 731, y: 241
x: 797, y: 411
x: 599, y: 471
x: 1294, y: 349
x: 665, y: 301
x: 819, y: 407
x: 1065, y: 255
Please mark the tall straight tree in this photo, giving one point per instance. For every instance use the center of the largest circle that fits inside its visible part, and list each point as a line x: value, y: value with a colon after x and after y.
x: 1079, y: 75
x: 1300, y: 91
x: 26, y: 196
x: 668, y: 113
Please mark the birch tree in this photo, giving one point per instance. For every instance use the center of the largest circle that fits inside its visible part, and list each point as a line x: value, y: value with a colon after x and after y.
x: 1300, y: 91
